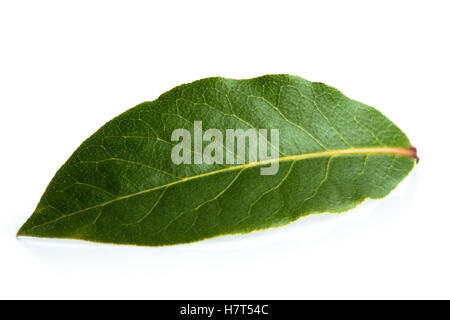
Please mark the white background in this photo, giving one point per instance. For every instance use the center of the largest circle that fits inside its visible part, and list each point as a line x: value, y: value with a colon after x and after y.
x: 67, y: 67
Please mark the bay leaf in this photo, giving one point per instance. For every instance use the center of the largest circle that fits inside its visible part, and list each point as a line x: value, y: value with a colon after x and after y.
x: 122, y: 185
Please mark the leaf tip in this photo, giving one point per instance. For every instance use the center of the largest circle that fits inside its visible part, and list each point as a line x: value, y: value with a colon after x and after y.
x: 23, y: 230
x: 20, y: 232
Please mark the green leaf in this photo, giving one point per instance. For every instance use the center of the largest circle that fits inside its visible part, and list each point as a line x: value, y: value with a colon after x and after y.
x: 121, y: 185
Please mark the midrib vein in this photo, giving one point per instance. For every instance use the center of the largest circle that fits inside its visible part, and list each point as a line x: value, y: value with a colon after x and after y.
x: 328, y: 153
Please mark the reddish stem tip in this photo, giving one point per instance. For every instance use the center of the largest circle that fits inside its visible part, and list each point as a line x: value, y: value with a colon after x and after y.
x: 414, y: 153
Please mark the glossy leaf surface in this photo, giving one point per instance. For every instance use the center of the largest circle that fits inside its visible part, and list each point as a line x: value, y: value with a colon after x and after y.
x: 121, y: 185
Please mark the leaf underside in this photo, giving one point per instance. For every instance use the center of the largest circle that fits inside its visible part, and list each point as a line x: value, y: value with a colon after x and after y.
x: 121, y: 186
